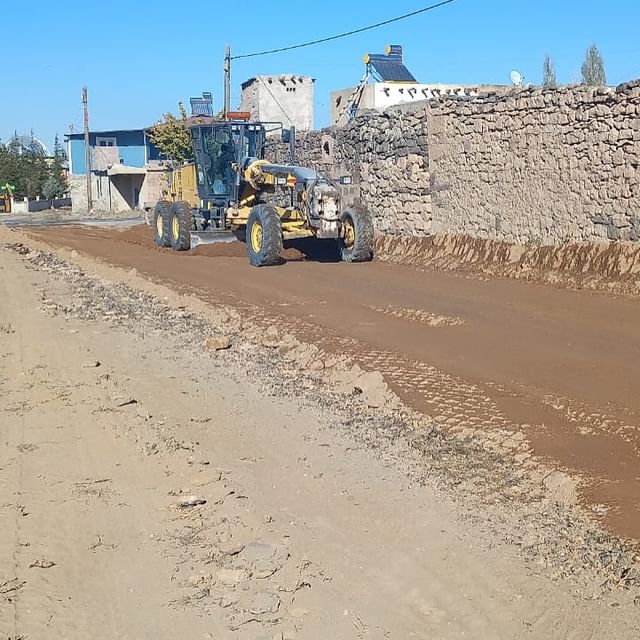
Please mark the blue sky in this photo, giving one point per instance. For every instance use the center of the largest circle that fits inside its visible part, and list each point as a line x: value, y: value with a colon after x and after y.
x: 140, y: 57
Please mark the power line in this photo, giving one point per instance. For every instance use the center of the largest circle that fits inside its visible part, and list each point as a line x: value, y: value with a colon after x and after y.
x: 344, y: 35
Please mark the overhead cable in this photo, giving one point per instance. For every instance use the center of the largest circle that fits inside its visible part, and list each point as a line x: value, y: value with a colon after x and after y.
x: 345, y: 34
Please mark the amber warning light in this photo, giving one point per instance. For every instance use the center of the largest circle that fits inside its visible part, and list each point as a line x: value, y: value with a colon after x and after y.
x: 239, y: 115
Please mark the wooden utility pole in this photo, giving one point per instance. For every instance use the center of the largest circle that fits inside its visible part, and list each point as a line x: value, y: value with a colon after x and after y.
x: 227, y: 82
x: 87, y: 148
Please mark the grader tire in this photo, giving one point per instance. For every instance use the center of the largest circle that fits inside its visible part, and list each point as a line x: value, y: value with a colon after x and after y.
x: 264, y: 236
x: 161, y: 224
x: 356, y: 241
x: 181, y: 221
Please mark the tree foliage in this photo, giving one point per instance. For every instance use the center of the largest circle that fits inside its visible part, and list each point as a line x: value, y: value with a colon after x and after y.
x: 172, y: 137
x: 57, y: 168
x: 53, y: 188
x: 593, y: 73
x: 25, y: 165
x: 549, y: 74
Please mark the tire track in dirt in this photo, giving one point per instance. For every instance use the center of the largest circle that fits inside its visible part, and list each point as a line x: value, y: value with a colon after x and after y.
x: 600, y: 449
x: 418, y: 315
x: 468, y: 409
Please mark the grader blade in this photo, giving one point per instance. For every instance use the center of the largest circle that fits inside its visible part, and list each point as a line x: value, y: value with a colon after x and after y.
x: 211, y: 237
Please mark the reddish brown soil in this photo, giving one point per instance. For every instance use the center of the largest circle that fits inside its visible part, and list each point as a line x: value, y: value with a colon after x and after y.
x: 220, y: 250
x: 563, y: 366
x: 612, y: 267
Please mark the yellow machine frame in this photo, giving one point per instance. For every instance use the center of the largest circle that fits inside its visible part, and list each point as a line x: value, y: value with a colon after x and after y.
x: 184, y: 188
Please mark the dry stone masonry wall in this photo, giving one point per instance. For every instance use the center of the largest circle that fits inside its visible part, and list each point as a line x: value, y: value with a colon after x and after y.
x: 533, y: 166
x: 543, y: 166
x: 386, y: 154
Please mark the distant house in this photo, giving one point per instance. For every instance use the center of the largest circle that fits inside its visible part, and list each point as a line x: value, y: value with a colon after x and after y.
x: 126, y: 170
x: 387, y: 82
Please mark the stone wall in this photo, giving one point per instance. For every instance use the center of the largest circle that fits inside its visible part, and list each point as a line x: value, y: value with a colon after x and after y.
x: 386, y: 154
x: 543, y: 166
x: 533, y: 166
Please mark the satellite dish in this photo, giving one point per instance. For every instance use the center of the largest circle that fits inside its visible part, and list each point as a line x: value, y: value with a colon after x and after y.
x: 516, y: 78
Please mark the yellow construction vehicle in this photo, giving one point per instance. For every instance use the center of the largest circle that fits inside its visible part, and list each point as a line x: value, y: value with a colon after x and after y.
x: 231, y: 192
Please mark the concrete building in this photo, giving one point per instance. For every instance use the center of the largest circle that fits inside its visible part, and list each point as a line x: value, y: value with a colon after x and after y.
x: 126, y: 170
x: 380, y: 95
x: 387, y: 82
x: 284, y: 98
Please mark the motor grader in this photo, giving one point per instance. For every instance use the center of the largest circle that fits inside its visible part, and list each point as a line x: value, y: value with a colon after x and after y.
x: 232, y: 192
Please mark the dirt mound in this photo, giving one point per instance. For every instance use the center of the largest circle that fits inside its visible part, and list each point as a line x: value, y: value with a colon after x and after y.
x: 140, y: 235
x: 221, y: 250
x: 237, y: 250
x: 611, y: 260
x: 291, y: 254
x: 344, y: 376
x: 613, y: 267
x: 445, y: 251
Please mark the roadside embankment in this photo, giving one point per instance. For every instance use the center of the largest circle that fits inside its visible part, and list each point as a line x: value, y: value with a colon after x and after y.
x: 606, y: 266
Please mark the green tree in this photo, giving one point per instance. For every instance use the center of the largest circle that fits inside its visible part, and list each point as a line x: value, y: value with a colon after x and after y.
x: 52, y: 188
x: 34, y: 166
x: 24, y: 165
x: 7, y: 174
x: 13, y: 166
x: 172, y: 137
x: 548, y: 74
x: 57, y: 168
x: 593, y: 73
x: 58, y: 149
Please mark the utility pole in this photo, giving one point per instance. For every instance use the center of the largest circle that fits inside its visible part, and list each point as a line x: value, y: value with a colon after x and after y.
x: 87, y: 148
x: 227, y: 82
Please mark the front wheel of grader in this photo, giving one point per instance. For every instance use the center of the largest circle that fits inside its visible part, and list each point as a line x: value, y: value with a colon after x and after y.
x: 356, y: 236
x: 264, y: 236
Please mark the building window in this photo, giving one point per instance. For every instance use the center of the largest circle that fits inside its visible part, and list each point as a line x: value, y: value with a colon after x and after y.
x: 105, y: 142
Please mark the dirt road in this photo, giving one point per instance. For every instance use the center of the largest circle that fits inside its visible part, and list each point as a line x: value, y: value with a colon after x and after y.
x: 560, y: 366
x: 153, y: 491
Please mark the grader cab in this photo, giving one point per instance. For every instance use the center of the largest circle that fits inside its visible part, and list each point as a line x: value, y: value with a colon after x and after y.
x: 232, y: 192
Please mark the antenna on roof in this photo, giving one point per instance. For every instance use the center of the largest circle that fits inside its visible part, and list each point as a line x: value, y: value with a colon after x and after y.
x: 517, y: 78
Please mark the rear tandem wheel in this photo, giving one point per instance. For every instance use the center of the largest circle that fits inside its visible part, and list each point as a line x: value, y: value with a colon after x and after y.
x: 161, y: 223
x: 181, y: 224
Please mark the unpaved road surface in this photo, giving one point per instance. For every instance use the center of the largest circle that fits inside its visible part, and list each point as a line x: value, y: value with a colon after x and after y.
x: 562, y: 367
x: 157, y: 485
